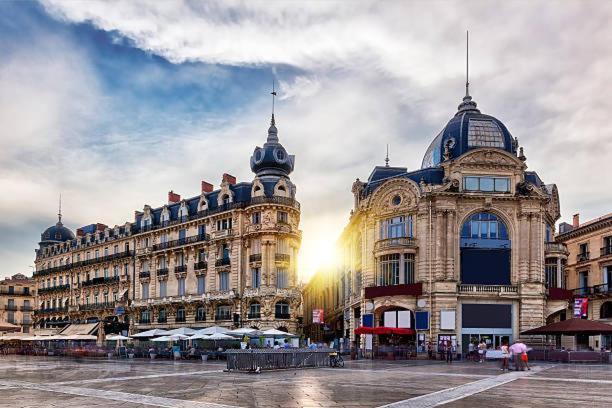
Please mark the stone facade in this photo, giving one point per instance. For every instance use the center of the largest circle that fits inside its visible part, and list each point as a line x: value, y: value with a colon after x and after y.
x: 225, y: 257
x: 16, y: 304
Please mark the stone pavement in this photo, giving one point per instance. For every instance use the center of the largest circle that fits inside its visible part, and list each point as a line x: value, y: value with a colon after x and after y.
x: 62, y: 382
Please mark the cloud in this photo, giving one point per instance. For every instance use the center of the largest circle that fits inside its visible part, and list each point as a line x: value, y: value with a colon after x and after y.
x: 353, y: 77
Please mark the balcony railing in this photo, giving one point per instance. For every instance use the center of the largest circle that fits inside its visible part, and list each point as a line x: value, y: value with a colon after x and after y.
x: 86, y: 262
x: 51, y: 310
x: 555, y: 247
x: 497, y: 289
x: 162, y: 272
x: 391, y: 243
x: 200, y: 265
x: 223, y: 316
x: 410, y: 289
x: 180, y: 268
x: 180, y: 242
x: 144, y: 274
x: 10, y: 307
x: 52, y: 289
x: 282, y: 257
x: 582, y: 257
x: 605, y: 251
x: 100, y: 281
x: 222, y: 262
x: 603, y: 289
x: 23, y: 292
x: 26, y: 308
x: 98, y: 306
x: 255, y: 258
x: 282, y: 315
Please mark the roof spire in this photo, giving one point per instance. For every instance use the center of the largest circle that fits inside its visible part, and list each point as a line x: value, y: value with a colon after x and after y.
x: 59, y: 214
x: 387, y: 157
x: 272, y: 131
x: 468, y: 103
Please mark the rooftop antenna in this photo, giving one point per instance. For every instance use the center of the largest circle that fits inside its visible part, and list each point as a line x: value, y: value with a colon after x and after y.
x: 467, y: 63
x: 273, y: 93
x: 387, y: 157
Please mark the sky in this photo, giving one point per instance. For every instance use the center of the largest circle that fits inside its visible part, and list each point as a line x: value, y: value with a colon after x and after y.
x: 113, y: 104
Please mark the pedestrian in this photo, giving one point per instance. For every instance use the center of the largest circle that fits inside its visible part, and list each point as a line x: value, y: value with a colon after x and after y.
x: 517, y: 351
x: 525, y: 360
x: 429, y: 350
x: 449, y: 352
x: 482, y: 349
x: 505, y: 354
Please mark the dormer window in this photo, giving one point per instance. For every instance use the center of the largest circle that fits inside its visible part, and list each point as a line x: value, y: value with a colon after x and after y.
x: 488, y: 184
x: 226, y: 199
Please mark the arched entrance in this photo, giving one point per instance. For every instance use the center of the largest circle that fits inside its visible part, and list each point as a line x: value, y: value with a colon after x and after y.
x: 395, y: 337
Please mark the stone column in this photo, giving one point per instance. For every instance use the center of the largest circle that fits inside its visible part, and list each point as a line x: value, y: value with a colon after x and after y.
x: 439, y: 242
x: 534, y: 244
x: 559, y: 273
x: 523, y: 249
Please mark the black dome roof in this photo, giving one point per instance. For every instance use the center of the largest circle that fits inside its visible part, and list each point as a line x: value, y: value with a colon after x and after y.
x: 55, y: 234
x: 272, y: 159
x: 468, y: 129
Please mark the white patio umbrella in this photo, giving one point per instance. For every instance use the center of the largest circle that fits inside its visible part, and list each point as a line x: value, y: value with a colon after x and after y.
x: 277, y: 333
x: 151, y: 333
x: 162, y: 339
x: 182, y: 330
x: 199, y: 336
x: 213, y: 330
x: 220, y: 336
x: 117, y: 337
x: 242, y: 331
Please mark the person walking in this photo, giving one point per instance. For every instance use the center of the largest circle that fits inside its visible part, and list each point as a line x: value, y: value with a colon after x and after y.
x: 482, y: 350
x: 505, y: 354
x: 449, y: 352
x: 517, y: 351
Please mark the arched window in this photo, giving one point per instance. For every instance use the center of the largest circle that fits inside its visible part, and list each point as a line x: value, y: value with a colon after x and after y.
x: 254, y: 310
x: 281, y: 310
x: 162, y: 317
x: 485, y: 250
x: 180, y: 315
x: 223, y: 312
x: 606, y: 311
x: 226, y: 199
x: 183, y: 213
x: 145, y: 317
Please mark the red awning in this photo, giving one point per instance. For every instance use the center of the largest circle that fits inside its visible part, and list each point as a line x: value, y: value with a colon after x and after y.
x: 384, y: 330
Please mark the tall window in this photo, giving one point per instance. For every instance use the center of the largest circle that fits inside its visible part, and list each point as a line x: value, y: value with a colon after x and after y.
x: 388, y: 270
x: 182, y: 235
x: 551, y: 273
x: 181, y: 286
x: 116, y: 270
x: 162, y: 263
x: 145, y: 316
x: 408, y: 268
x: 225, y: 251
x: 282, y: 247
x: 224, y: 224
x: 254, y: 310
x: 484, y: 226
x: 396, y: 227
x: 180, y: 314
x: 256, y: 217
x: 256, y: 246
x: 105, y: 273
x: 201, y: 314
x: 201, y: 284
x: 282, y: 278
x: 145, y: 290
x: 162, y: 317
x: 223, y: 312
x: 282, y: 216
x: 255, y: 277
x: 163, y: 289
x: 223, y: 281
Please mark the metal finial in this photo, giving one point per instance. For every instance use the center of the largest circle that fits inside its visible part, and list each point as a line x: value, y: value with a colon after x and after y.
x: 273, y: 93
x: 59, y: 214
x: 467, y: 63
x: 387, y: 157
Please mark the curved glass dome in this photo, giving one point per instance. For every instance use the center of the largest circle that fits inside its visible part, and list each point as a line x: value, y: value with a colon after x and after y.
x: 468, y: 129
x: 56, y: 233
x: 272, y: 159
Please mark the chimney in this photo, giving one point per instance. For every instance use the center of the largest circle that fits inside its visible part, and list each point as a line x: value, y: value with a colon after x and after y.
x: 80, y: 232
x: 229, y: 178
x: 173, y: 197
x: 206, y: 187
x: 100, y: 227
x: 576, y: 222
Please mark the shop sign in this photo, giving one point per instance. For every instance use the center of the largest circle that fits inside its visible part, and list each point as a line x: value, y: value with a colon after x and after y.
x: 317, y: 316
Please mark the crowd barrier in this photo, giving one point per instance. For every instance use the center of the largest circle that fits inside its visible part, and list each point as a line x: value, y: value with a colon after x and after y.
x: 266, y: 359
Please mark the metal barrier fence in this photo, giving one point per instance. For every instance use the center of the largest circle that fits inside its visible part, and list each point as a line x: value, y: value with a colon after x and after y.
x: 265, y: 359
x: 564, y: 356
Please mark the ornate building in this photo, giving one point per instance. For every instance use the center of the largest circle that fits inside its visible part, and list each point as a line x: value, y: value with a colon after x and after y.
x: 226, y: 257
x: 16, y: 303
x: 463, y: 240
x: 589, y: 273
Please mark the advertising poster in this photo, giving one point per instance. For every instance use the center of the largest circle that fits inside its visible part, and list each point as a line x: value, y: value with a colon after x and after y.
x: 317, y: 316
x: 581, y: 307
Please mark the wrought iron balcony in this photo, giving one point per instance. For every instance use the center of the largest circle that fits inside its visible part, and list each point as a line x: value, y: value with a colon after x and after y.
x: 583, y: 256
x: 86, y: 262
x: 180, y: 268
x: 222, y: 262
x: 58, y: 288
x: 10, y: 307
x: 100, y: 281
x: 98, y: 306
x: 144, y: 274
x: 497, y: 289
x: 605, y: 251
x: 22, y: 292
x: 200, y: 265
x: 162, y: 272
x: 594, y: 291
x: 255, y: 258
x: 180, y: 242
x: 26, y: 308
x: 282, y: 257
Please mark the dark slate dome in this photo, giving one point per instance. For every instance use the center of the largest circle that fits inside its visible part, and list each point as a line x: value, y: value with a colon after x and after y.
x: 468, y: 129
x: 55, y: 234
x: 272, y: 159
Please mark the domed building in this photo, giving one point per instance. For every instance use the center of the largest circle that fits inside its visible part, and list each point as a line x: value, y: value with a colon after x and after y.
x: 226, y: 256
x: 454, y: 251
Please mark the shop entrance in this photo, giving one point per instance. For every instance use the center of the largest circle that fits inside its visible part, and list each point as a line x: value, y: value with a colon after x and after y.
x: 493, y: 341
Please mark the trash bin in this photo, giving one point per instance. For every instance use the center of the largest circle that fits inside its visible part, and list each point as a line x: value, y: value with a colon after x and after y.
x: 204, y: 357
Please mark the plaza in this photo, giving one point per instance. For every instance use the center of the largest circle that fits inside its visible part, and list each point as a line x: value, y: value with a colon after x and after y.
x: 52, y: 381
